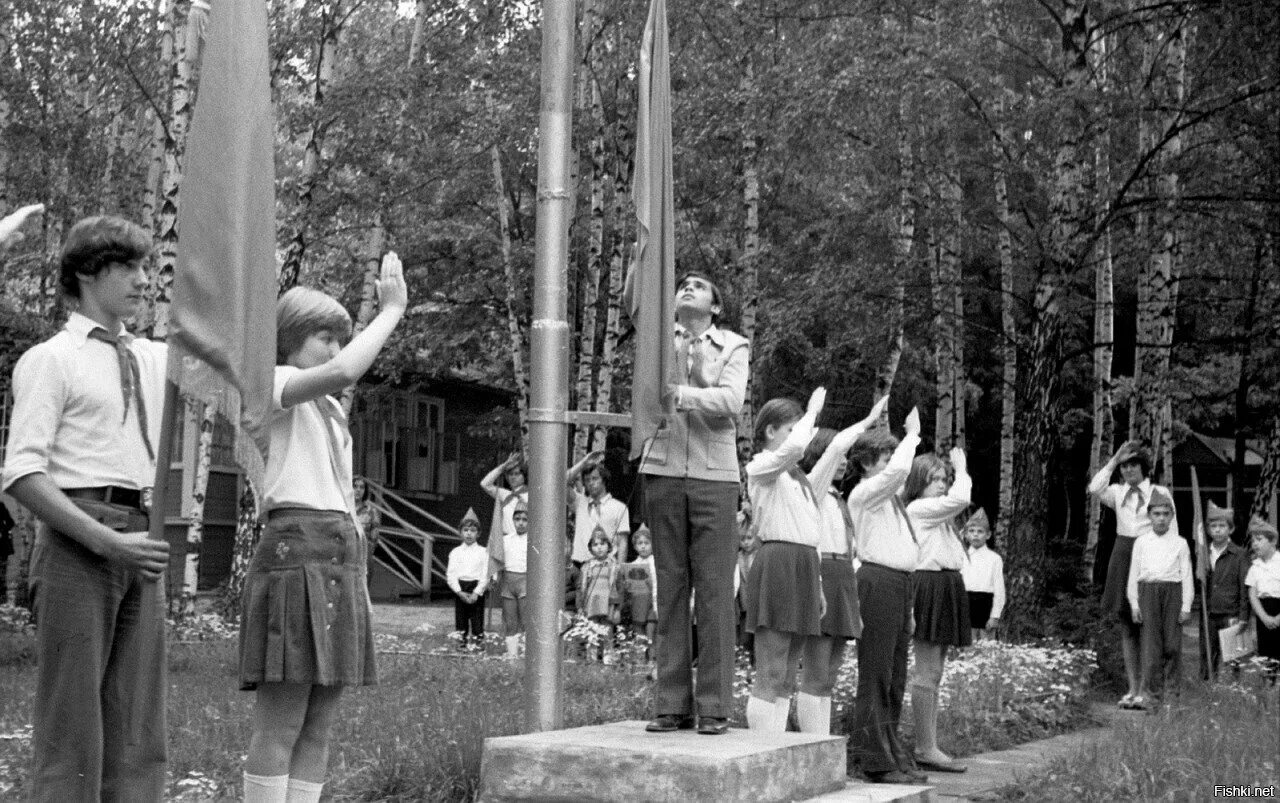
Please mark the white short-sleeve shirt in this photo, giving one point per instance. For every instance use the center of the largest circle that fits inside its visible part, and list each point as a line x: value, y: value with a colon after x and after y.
x: 299, y: 470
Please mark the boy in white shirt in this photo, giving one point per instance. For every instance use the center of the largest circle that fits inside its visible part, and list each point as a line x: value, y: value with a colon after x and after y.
x: 467, y: 577
x: 983, y: 574
x: 81, y: 458
x: 1263, y: 581
x: 1159, y: 593
x: 514, y: 584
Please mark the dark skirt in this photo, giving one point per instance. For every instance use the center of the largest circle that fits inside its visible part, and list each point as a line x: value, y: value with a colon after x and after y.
x: 782, y: 589
x: 1269, y: 640
x: 1115, y: 602
x: 840, y: 586
x: 305, y: 610
x: 980, y: 603
x: 942, y: 608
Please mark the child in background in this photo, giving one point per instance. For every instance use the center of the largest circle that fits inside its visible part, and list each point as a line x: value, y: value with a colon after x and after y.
x: 299, y: 656
x: 1263, y: 581
x: 596, y: 596
x: 747, y: 546
x: 1160, y: 593
x: 983, y: 575
x: 1228, y: 597
x: 467, y: 577
x: 513, y: 584
x: 635, y: 589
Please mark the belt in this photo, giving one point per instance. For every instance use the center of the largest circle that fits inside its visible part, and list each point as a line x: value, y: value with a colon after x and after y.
x: 835, y: 556
x: 305, y: 511
x: 114, y: 495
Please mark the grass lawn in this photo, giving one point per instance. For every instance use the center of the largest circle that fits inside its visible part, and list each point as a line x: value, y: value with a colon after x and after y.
x: 1223, y: 735
x: 418, y: 734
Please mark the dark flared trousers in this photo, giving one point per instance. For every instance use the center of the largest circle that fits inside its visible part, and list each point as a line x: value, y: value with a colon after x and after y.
x: 695, y: 547
x: 1161, y: 604
x: 99, y: 717
x: 885, y: 599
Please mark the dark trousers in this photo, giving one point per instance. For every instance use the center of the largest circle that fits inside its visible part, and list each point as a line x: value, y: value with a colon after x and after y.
x: 99, y: 716
x: 468, y: 617
x: 1160, y: 604
x: 885, y: 599
x: 695, y: 547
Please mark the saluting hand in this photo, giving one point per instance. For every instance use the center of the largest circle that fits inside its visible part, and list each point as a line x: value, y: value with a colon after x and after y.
x: 11, y: 223
x: 816, y: 401
x: 912, y: 422
x: 393, y: 293
x: 877, y: 410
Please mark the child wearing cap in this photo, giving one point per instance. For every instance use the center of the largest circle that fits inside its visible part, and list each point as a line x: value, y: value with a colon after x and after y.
x: 1228, y: 598
x: 1159, y: 593
x: 1263, y: 581
x: 983, y: 575
x: 467, y: 577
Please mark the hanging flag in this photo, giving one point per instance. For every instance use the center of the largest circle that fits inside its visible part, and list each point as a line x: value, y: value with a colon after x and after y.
x: 222, y: 338
x: 652, y: 277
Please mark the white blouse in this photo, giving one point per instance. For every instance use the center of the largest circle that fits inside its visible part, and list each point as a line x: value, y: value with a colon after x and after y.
x: 984, y: 572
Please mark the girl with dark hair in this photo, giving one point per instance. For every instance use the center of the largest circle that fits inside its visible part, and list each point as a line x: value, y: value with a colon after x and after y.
x: 941, y: 606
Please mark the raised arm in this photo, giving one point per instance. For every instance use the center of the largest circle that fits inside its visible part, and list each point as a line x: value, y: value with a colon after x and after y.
x: 879, y: 488
x: 490, y: 481
x: 10, y: 225
x: 824, y: 470
x: 575, y: 471
x: 1101, y: 481
x: 767, y: 464
x: 351, y: 362
x: 954, y: 502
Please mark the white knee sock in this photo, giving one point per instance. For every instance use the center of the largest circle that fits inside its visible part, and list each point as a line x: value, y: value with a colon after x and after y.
x: 814, y: 713
x: 303, y: 791
x: 760, y: 714
x: 265, y: 788
x: 781, y: 713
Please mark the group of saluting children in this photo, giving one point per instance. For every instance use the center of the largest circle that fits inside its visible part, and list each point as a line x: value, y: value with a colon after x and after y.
x: 1149, y: 579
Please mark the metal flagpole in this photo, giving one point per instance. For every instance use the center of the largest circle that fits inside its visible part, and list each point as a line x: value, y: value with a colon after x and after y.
x: 160, y: 489
x: 549, y: 385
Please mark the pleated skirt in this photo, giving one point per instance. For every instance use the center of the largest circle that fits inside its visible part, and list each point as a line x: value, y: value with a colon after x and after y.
x: 840, y: 585
x: 782, y: 589
x: 305, y: 613
x: 942, y: 608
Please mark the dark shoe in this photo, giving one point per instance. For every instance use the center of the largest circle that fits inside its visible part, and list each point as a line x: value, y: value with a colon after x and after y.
x: 713, y: 726
x: 951, y: 766
x: 896, y: 776
x: 666, y: 723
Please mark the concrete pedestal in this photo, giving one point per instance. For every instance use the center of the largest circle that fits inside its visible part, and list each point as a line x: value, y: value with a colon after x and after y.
x: 620, y: 761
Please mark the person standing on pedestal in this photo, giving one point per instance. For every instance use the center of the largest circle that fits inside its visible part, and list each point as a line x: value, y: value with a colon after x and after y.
x: 690, y: 472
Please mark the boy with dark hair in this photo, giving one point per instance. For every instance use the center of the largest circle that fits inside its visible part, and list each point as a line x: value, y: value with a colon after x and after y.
x: 595, y: 507
x: 86, y: 419
x: 691, y: 498
x: 1228, y: 599
x: 467, y: 576
x: 1159, y: 593
x: 1129, y: 498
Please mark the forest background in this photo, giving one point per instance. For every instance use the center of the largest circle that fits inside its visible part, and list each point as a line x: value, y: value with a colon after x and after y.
x: 1056, y: 223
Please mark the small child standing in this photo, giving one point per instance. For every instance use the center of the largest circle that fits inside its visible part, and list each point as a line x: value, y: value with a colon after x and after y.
x: 635, y: 588
x: 1160, y: 592
x: 983, y: 575
x: 515, y: 548
x: 597, y: 599
x: 1263, y: 581
x: 747, y: 546
x: 1228, y: 597
x: 467, y: 577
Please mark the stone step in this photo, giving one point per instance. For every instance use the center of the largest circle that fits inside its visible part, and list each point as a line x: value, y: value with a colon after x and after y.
x: 621, y: 761
x: 857, y: 792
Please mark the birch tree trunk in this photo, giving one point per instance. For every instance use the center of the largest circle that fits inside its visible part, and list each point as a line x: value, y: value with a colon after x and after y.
x: 515, y: 328
x: 749, y: 263
x: 609, y: 353
x: 949, y: 310
x: 1244, y: 351
x: 1269, y: 476
x: 248, y: 529
x: 1103, y: 325
x: 1008, y: 339
x: 175, y: 143
x: 1070, y: 225
x: 309, y: 174
x: 205, y: 414
x: 903, y: 241
x: 590, y: 286
x: 374, y: 245
x: 1158, y: 277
